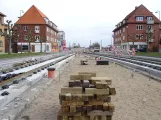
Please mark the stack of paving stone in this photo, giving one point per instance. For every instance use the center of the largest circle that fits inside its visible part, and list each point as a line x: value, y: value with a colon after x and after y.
x: 86, y: 98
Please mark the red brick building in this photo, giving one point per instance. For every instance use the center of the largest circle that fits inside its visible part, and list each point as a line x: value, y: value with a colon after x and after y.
x: 43, y: 30
x: 2, y: 38
x: 132, y: 31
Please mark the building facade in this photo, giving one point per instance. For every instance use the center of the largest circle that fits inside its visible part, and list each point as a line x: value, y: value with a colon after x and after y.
x: 64, y: 45
x: 36, y: 28
x: 139, y: 29
x: 61, y: 39
x: 2, y: 38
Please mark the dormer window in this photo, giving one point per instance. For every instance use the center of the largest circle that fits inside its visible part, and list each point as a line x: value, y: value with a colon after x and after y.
x: 139, y: 18
x: 123, y: 21
x: 51, y: 24
x: 149, y: 18
x: 46, y: 20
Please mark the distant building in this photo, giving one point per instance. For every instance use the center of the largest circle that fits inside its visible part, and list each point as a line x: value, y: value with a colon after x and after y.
x: 61, y: 39
x: 133, y: 30
x: 2, y: 38
x: 43, y: 30
x: 64, y: 45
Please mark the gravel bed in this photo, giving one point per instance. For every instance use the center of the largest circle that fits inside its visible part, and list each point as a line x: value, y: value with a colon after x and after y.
x: 138, y: 97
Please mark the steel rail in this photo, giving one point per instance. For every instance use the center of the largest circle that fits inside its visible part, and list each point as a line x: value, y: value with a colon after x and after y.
x: 150, y: 69
x: 24, y: 75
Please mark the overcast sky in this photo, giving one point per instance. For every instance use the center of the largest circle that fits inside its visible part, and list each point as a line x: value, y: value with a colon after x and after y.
x: 82, y: 20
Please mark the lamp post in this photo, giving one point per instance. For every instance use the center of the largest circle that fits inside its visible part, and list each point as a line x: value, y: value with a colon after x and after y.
x: 112, y: 39
x: 158, y: 29
x: 21, y: 11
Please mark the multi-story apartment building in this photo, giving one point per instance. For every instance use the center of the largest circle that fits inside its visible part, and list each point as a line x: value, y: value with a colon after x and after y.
x: 2, y: 38
x: 133, y: 30
x: 43, y: 30
x: 61, y: 39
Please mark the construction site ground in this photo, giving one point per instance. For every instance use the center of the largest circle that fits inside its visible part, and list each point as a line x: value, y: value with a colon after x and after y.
x: 138, y: 97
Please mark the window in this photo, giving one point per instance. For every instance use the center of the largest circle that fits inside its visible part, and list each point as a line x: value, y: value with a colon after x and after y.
x: 24, y: 47
x: 25, y: 37
x: 149, y: 27
x: 25, y: 28
x: 139, y: 36
x: 124, y: 21
x: 37, y: 29
x: 37, y: 37
x: 123, y: 29
x: 139, y: 18
x: 1, y: 44
x: 46, y: 20
x: 139, y: 27
x: 47, y: 29
x: 123, y: 37
x: 47, y: 37
x: 149, y: 18
x: 47, y: 47
x: 51, y: 24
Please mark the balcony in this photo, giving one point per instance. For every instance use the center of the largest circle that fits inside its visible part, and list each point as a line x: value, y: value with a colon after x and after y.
x: 37, y: 31
x: 150, y: 22
x: 150, y: 31
x: 151, y: 40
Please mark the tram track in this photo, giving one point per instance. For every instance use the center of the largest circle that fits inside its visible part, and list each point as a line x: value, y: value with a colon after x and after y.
x: 27, y: 72
x: 150, y: 67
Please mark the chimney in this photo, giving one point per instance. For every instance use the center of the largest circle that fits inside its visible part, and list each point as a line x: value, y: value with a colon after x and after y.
x: 136, y: 7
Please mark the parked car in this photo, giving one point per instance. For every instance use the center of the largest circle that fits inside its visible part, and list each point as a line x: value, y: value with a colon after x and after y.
x: 141, y: 50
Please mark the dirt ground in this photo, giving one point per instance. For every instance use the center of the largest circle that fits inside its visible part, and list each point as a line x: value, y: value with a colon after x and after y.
x: 137, y: 97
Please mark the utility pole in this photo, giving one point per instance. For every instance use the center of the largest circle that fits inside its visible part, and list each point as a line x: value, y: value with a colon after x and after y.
x: 101, y: 45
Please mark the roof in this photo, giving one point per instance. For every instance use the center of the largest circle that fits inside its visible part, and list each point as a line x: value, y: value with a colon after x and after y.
x: 42, y: 14
x: 131, y: 13
x: 1, y: 14
x: 32, y: 16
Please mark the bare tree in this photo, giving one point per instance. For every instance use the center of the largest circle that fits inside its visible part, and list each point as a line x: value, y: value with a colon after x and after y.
x: 30, y: 38
x: 10, y: 34
x: 41, y: 41
x: 148, y: 35
x: 132, y: 37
